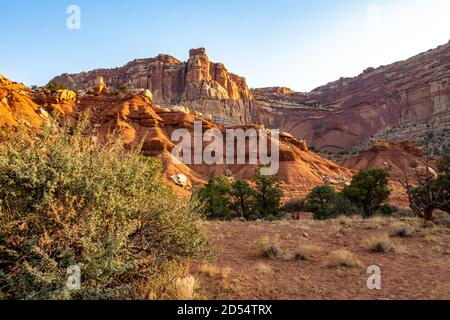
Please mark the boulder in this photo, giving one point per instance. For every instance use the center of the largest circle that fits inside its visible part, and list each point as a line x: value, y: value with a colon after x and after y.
x: 180, y: 180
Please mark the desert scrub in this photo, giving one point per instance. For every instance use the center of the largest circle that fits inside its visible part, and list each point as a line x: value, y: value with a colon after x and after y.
x: 306, y: 252
x: 402, y: 230
x: 71, y: 200
x: 379, y: 244
x: 269, y: 248
x: 345, y: 259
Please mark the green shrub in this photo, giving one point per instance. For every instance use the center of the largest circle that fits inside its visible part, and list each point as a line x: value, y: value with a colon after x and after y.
x: 368, y: 190
x: 54, y: 86
x: 294, y: 205
x: 267, y: 195
x: 320, y: 200
x: 69, y: 200
x: 242, y: 200
x: 388, y: 210
x: 215, y: 195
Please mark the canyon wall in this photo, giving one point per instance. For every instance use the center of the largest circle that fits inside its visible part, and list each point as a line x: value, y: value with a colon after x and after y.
x: 405, y: 100
x: 199, y: 84
x: 398, y: 99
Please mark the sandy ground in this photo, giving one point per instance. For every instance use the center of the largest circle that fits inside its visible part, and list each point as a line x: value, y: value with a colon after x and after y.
x: 418, y: 267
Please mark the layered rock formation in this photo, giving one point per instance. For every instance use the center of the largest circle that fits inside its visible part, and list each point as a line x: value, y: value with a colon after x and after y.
x: 341, y: 115
x: 198, y: 83
x: 17, y: 105
x: 138, y: 120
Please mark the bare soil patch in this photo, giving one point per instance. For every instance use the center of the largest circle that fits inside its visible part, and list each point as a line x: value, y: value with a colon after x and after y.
x: 417, y: 267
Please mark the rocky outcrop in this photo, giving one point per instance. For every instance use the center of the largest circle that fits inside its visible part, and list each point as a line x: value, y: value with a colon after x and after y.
x: 198, y: 84
x: 141, y: 122
x: 397, y: 157
x: 17, y: 105
x: 410, y: 94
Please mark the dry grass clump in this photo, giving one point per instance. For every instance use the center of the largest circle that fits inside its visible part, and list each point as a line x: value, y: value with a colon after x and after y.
x: 306, y: 252
x: 337, y: 231
x: 269, y: 248
x: 263, y: 268
x: 430, y: 238
x: 185, y: 288
x: 345, y: 221
x: 379, y: 244
x: 345, y: 259
x: 402, y: 230
x: 214, y: 271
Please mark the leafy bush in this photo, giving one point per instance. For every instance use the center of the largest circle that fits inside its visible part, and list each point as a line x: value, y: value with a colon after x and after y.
x: 69, y: 200
x: 368, y: 190
x: 294, y: 205
x: 267, y: 196
x: 54, y: 86
x: 325, y: 203
x: 320, y: 201
x: 388, y: 210
x: 226, y: 201
x: 242, y: 200
x: 215, y: 195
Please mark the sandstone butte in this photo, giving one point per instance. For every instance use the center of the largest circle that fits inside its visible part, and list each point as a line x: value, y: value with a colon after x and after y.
x: 135, y: 117
x: 408, y: 98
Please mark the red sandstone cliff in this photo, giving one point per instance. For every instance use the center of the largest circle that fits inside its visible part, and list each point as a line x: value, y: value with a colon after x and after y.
x: 136, y: 118
x: 198, y: 83
x: 409, y: 99
x: 401, y: 97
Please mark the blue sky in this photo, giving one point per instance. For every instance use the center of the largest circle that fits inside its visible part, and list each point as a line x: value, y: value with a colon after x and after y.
x: 294, y: 43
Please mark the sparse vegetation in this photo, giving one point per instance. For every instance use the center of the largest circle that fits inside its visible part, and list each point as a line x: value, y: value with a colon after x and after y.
x: 270, y: 249
x: 54, y: 87
x: 402, y: 230
x: 345, y: 259
x: 379, y: 244
x: 306, y: 252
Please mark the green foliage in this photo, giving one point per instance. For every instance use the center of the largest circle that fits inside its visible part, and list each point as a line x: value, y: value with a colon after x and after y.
x: 443, y: 164
x: 388, y: 210
x: 54, y: 87
x: 225, y: 200
x: 268, y: 195
x: 432, y: 192
x: 69, y: 200
x: 122, y: 89
x: 294, y: 205
x: 215, y: 195
x: 320, y: 200
x: 368, y: 190
x: 326, y: 203
x: 241, y: 200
